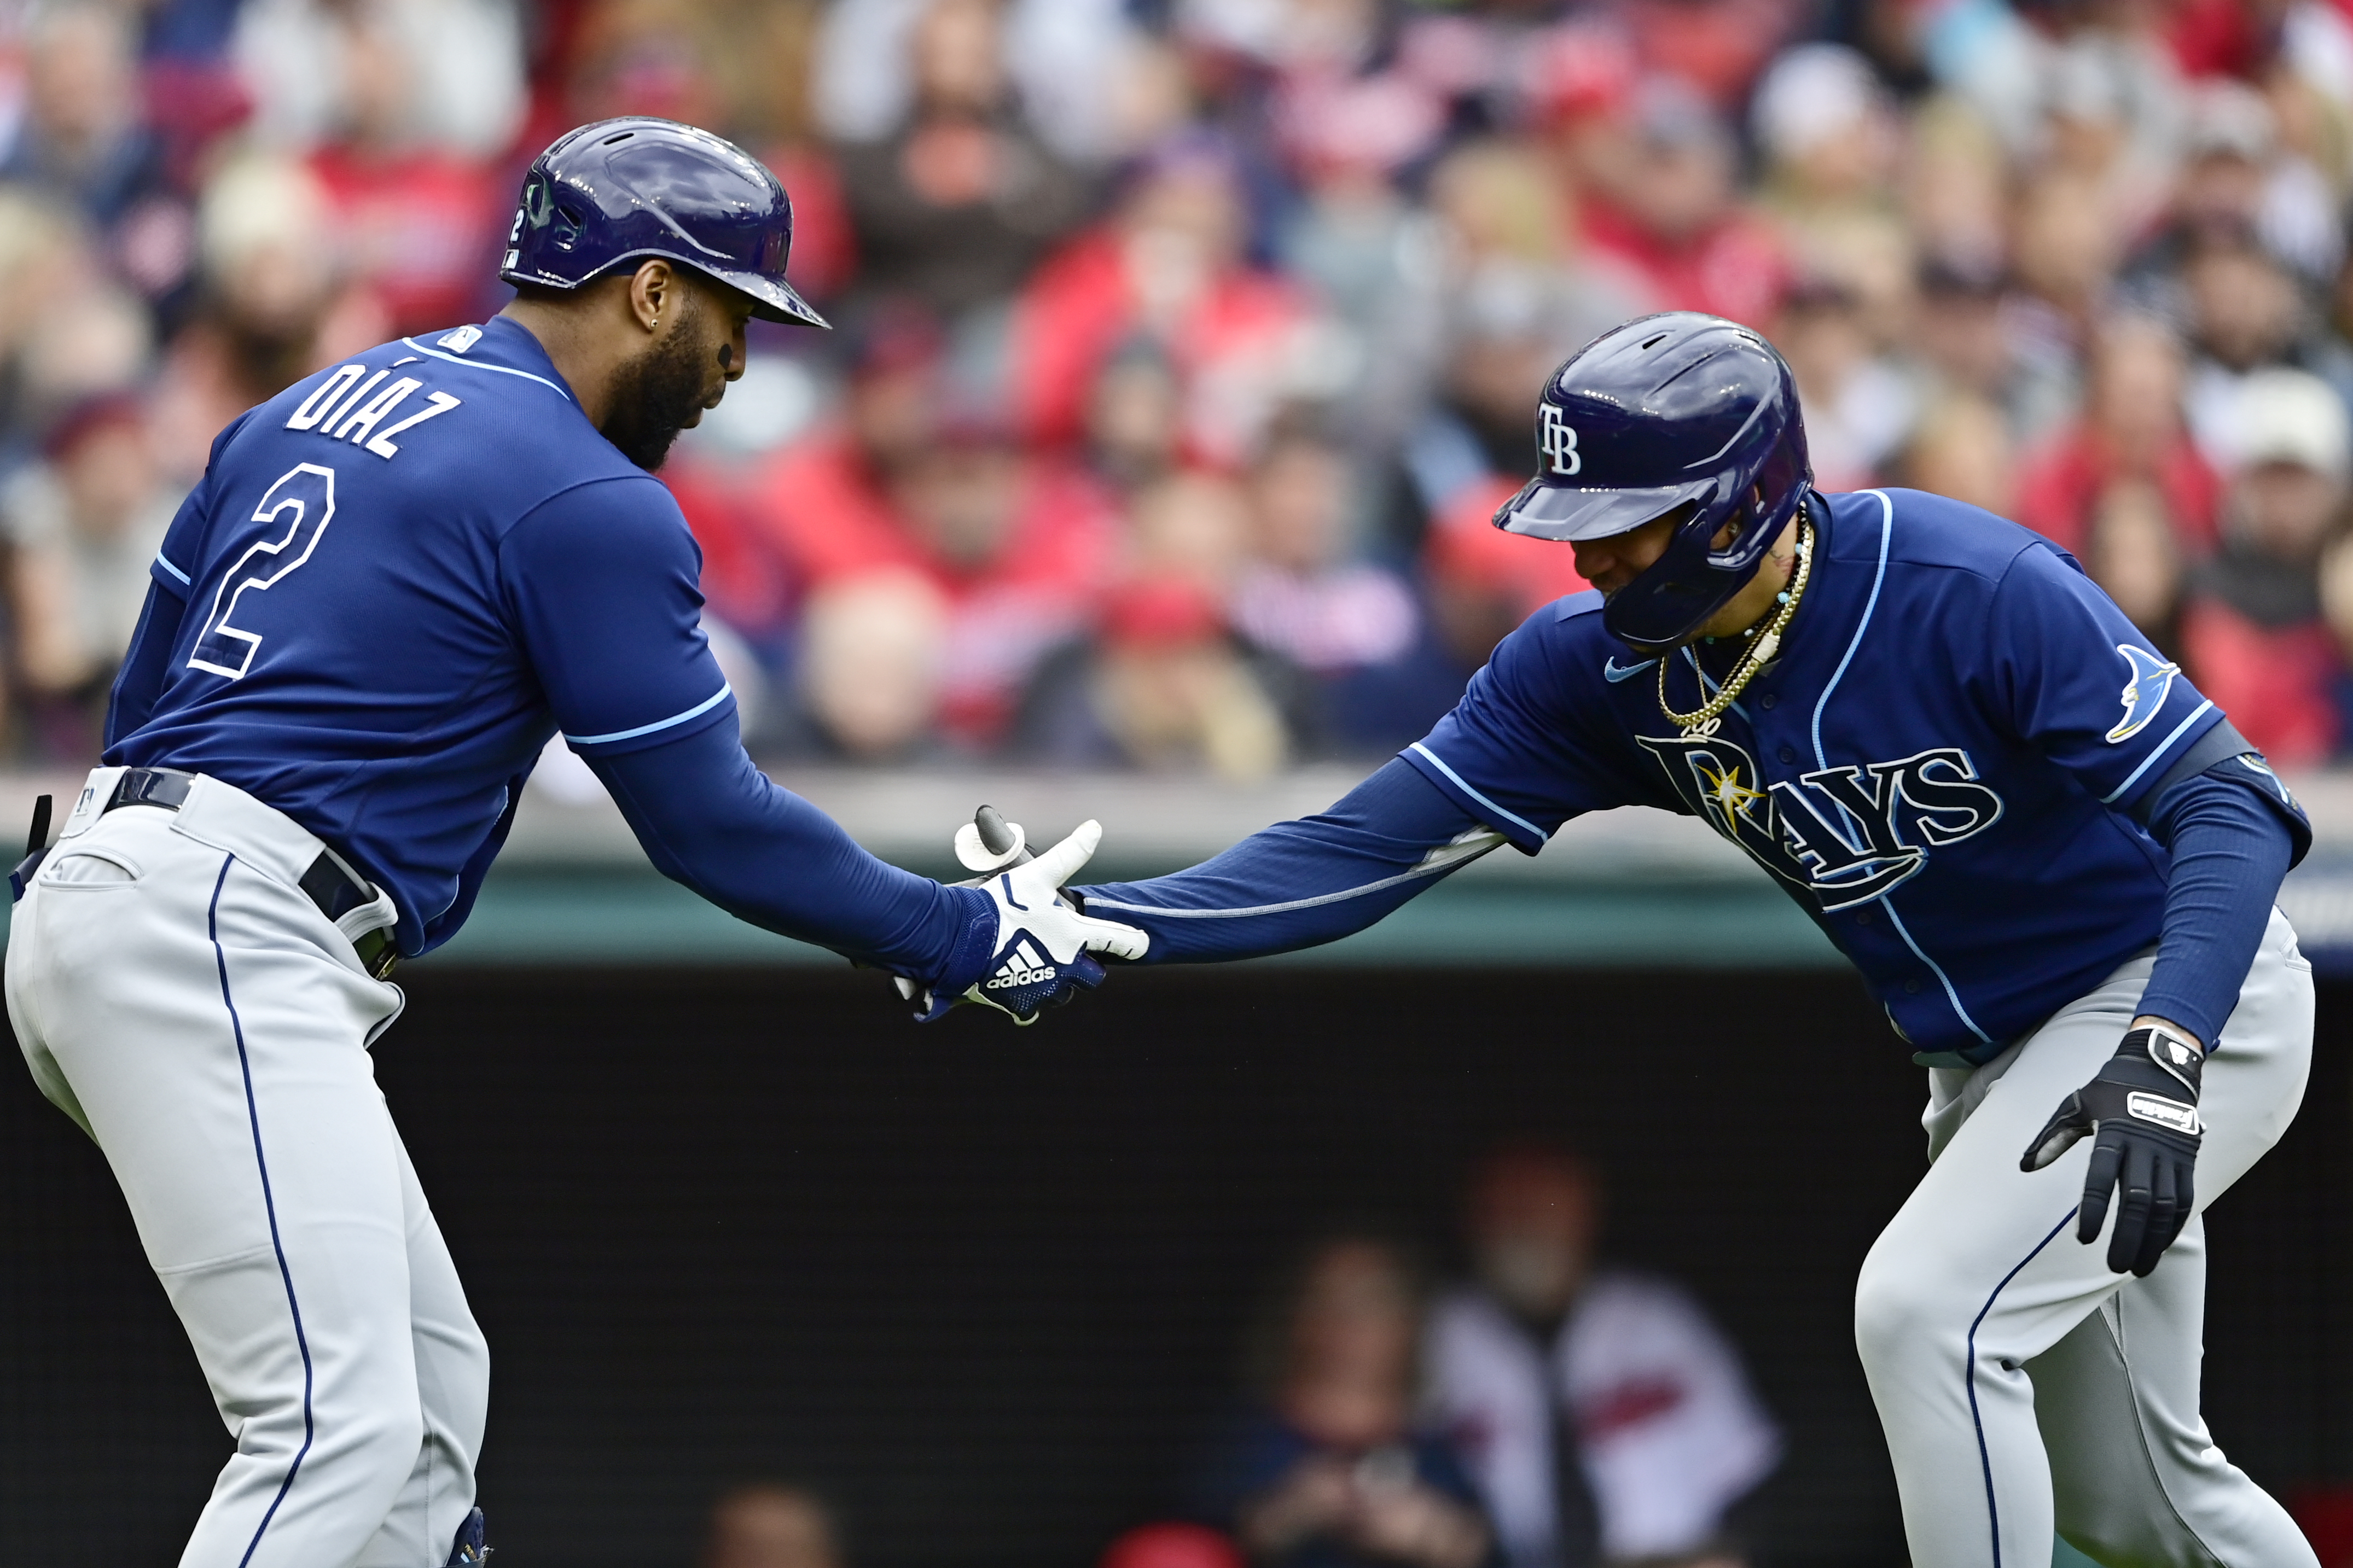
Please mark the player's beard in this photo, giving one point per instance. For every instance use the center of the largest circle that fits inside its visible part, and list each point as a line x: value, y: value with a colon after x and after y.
x: 657, y: 396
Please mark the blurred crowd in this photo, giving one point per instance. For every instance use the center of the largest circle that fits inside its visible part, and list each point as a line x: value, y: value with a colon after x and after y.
x: 1185, y: 346
x: 1548, y: 1409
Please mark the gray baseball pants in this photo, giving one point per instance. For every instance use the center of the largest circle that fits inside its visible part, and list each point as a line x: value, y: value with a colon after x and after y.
x: 2023, y: 1387
x: 176, y: 992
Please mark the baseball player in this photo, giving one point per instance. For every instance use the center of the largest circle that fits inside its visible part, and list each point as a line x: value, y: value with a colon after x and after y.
x: 394, y: 581
x: 2052, y: 859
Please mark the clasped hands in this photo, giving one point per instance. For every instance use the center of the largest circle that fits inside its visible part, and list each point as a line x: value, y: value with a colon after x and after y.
x: 1032, y: 947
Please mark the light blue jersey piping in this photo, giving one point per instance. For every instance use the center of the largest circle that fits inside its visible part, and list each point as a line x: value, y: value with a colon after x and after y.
x: 479, y: 364
x: 705, y: 706
x: 1440, y: 764
x: 1878, y: 579
x: 2147, y: 763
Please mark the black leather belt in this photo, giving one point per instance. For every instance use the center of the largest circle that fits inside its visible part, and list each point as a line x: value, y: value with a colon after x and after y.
x: 328, y: 883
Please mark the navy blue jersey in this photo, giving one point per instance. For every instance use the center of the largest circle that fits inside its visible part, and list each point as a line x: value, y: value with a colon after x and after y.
x: 395, y: 581
x: 1941, y: 767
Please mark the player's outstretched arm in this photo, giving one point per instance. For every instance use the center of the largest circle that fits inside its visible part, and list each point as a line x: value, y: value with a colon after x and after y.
x: 1519, y: 755
x: 601, y: 580
x: 1303, y: 883
x: 711, y: 819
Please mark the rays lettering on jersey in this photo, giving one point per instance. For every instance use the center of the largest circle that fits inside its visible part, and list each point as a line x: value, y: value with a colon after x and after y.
x: 1848, y: 834
x: 336, y: 411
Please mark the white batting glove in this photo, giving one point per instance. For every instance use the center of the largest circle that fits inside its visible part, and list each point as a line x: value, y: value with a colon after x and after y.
x: 1041, y: 945
x: 975, y: 856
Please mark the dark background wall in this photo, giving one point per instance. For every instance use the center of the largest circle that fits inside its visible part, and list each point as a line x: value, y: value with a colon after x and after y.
x: 985, y: 1285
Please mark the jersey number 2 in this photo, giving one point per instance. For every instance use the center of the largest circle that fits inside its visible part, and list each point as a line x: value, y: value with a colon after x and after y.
x: 299, y: 507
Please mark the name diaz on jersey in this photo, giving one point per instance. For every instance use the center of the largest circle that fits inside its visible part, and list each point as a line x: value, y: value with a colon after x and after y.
x: 341, y: 413
x: 1846, y: 835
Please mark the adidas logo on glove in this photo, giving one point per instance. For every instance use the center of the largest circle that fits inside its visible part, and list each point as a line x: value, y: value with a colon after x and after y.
x: 1025, y: 966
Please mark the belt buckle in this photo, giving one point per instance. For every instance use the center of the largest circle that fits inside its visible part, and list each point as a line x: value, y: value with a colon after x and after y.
x: 378, y: 953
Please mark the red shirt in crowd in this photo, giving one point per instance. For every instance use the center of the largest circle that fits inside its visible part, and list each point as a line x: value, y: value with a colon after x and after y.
x: 1082, y: 303
x: 1734, y: 267
x: 2059, y: 488
x: 1465, y: 548
x: 819, y: 505
x: 420, y: 228
x: 745, y: 582
x: 2277, y: 685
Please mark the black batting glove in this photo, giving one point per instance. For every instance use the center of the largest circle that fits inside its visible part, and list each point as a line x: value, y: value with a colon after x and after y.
x: 2142, y: 1106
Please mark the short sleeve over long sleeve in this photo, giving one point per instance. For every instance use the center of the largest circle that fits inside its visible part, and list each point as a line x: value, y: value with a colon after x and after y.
x: 602, y: 581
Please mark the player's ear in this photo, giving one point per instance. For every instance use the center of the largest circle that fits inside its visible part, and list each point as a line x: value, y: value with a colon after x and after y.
x: 654, y: 292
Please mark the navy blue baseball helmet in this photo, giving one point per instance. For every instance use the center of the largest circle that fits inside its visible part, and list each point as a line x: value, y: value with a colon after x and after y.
x: 624, y: 190
x: 1679, y: 410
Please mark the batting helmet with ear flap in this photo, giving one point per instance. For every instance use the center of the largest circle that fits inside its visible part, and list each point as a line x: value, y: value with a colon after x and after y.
x: 1679, y: 411
x: 625, y: 190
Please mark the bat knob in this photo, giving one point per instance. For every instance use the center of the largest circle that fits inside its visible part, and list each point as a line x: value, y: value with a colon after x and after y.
x: 988, y: 844
x: 994, y: 836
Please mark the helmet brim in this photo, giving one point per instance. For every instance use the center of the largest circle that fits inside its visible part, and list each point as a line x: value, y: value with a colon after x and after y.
x: 772, y: 299
x: 1543, y: 510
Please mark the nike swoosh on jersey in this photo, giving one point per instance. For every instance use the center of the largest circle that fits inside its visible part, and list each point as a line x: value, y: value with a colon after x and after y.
x: 1612, y: 672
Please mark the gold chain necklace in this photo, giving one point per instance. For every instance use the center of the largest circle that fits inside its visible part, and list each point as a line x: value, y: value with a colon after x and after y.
x: 1760, y: 653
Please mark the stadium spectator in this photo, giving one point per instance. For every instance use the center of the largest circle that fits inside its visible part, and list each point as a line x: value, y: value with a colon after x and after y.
x: 1470, y: 447
x: 2253, y: 628
x: 2246, y: 312
x: 955, y: 205
x: 1170, y: 264
x: 1091, y: 84
x: 89, y: 337
x: 42, y: 261
x: 1329, y: 1469
x: 1160, y: 686
x: 2131, y: 432
x: 1962, y: 448
x: 1355, y: 239
x: 1955, y: 186
x: 274, y: 305
x: 873, y: 650
x: 2133, y: 551
x: 925, y: 476
x: 1831, y: 147
x: 443, y: 74
x: 1663, y: 211
x: 643, y: 56
x: 1859, y: 405
x: 1161, y: 682
x: 2064, y: 250
x: 80, y: 136
x: 1350, y: 625
x: 1134, y: 417
x: 397, y: 106
x: 769, y: 1525
x: 83, y: 525
x: 1603, y: 1416
x: 1482, y: 583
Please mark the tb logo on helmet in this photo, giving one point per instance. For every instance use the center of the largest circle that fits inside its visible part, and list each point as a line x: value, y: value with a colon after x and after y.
x: 1558, y: 442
